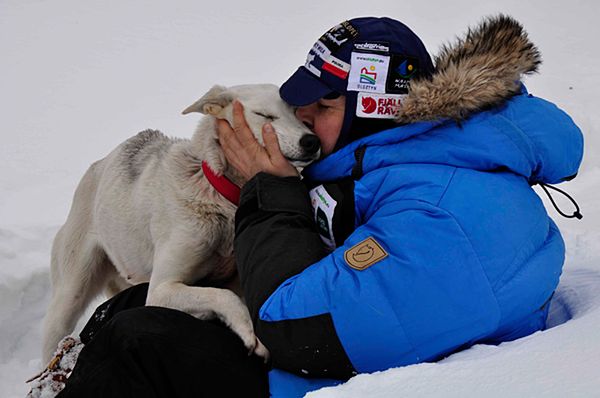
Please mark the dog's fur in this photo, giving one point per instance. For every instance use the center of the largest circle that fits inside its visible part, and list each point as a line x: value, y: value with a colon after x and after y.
x: 478, y: 72
x: 146, y: 213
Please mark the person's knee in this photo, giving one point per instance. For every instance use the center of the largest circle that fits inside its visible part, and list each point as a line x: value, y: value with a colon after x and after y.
x: 180, y: 346
x: 143, y: 324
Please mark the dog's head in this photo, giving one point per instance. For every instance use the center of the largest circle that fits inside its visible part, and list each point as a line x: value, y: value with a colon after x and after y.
x: 262, y: 104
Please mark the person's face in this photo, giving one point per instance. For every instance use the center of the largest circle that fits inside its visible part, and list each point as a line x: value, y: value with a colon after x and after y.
x: 325, y: 118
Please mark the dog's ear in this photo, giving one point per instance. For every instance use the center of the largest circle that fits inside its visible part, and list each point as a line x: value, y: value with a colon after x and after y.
x: 211, y: 103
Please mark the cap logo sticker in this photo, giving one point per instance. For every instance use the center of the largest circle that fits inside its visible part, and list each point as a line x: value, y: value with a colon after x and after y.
x: 368, y: 76
x: 378, y: 106
x: 364, y: 254
x: 310, y: 58
x: 321, y: 50
x: 368, y: 72
x: 329, y: 63
x: 401, y: 70
x: 338, y: 35
x: 382, y: 47
x: 368, y: 105
x: 336, y: 66
x: 405, y: 70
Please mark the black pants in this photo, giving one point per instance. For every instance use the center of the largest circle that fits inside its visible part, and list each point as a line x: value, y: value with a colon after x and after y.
x: 137, y: 351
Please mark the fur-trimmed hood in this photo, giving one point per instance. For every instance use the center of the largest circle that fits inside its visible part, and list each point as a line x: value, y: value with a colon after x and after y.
x: 473, y: 113
x: 478, y: 71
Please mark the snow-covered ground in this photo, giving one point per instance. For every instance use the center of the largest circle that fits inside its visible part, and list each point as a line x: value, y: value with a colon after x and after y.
x: 78, y: 77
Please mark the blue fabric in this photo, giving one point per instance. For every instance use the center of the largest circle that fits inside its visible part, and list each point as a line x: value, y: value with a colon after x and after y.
x: 286, y: 385
x: 473, y: 255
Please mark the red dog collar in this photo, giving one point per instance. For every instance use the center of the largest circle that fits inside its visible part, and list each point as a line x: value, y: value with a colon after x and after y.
x: 222, y: 184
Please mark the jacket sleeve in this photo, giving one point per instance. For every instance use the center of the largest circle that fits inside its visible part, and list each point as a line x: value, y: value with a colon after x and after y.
x: 276, y: 238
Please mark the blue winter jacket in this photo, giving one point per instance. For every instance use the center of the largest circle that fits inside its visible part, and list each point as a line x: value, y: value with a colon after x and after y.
x: 472, y: 255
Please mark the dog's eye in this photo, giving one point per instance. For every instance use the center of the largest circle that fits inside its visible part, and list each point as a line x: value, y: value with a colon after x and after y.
x: 269, y: 117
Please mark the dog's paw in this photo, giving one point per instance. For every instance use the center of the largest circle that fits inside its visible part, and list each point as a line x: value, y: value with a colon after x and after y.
x: 261, y: 351
x: 254, y: 345
x: 243, y: 328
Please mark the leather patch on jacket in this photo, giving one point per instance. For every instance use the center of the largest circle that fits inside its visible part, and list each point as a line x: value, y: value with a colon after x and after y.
x: 364, y: 254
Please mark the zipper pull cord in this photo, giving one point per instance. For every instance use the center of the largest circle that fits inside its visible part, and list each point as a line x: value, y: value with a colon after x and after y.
x: 576, y: 214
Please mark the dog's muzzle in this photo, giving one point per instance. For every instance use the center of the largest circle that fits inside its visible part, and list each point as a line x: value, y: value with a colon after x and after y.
x: 310, y: 144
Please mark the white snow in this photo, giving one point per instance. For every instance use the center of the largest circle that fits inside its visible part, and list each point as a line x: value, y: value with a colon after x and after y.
x: 77, y: 78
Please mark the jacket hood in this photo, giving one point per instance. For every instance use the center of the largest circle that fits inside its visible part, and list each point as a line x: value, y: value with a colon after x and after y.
x: 474, y: 113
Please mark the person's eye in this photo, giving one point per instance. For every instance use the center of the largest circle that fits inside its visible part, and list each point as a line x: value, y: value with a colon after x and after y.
x: 268, y: 117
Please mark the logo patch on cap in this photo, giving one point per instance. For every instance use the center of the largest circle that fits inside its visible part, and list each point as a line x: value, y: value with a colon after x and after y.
x: 320, y: 49
x: 310, y: 60
x: 320, y: 59
x: 336, y: 66
x: 368, y: 72
x: 373, y: 47
x: 338, y: 35
x: 378, y: 106
x: 401, y: 70
x: 364, y: 254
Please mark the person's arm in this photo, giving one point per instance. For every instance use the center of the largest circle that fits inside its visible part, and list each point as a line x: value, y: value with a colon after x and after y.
x: 421, y: 295
x: 276, y: 238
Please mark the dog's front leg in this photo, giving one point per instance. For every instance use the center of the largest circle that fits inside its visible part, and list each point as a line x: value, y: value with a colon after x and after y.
x: 175, y: 267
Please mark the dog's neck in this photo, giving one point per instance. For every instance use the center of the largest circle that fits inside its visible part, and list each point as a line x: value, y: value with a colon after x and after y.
x: 227, y: 188
x: 233, y: 175
x: 205, y: 146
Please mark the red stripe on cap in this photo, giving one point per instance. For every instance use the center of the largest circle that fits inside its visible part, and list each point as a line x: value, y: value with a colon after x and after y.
x: 222, y: 184
x: 334, y: 70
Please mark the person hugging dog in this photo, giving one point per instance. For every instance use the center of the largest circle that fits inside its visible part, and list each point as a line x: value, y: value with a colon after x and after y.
x: 417, y: 234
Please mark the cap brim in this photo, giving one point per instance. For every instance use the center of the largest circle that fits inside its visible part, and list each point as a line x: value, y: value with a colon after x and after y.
x: 303, y: 88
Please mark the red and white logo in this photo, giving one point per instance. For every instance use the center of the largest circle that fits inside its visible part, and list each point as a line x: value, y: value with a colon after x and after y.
x: 378, y: 106
x: 369, y: 104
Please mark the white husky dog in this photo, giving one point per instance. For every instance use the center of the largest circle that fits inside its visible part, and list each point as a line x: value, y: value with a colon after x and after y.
x: 146, y: 212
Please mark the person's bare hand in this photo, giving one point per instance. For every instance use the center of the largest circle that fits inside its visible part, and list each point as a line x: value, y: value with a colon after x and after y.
x: 245, y: 154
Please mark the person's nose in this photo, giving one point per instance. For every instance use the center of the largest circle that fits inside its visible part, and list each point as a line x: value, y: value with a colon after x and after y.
x: 306, y: 115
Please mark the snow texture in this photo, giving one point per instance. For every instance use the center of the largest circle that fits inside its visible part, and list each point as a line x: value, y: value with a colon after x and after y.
x: 52, y: 380
x: 77, y: 78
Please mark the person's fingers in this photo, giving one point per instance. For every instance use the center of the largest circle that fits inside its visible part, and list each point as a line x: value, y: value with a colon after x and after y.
x: 272, y: 144
x: 278, y: 164
x: 224, y: 130
x: 230, y: 145
x: 242, y: 131
x: 227, y: 137
x: 245, y: 154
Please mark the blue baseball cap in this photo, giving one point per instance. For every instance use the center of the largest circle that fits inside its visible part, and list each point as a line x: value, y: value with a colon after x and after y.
x: 370, y: 61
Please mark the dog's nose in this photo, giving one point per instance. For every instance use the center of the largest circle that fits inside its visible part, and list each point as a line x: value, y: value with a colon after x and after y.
x: 310, y: 143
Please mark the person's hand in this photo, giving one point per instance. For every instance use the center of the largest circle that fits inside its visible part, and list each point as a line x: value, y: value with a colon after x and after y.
x: 245, y: 154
